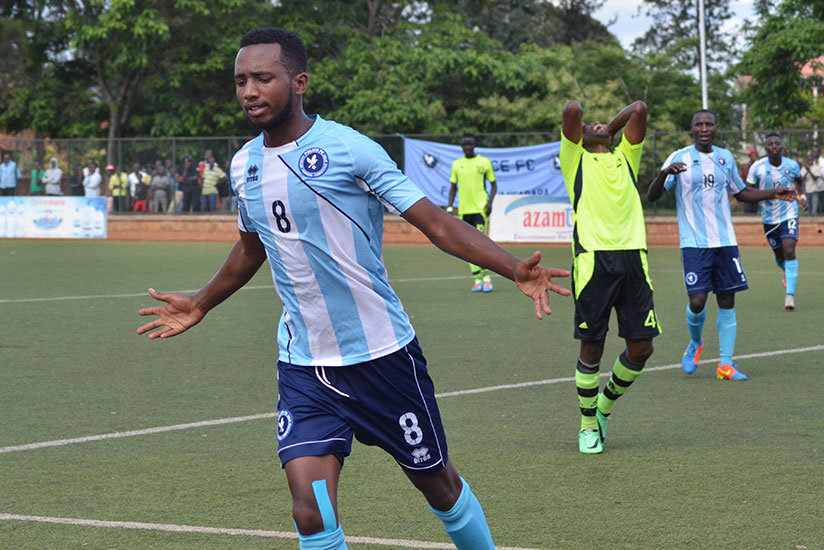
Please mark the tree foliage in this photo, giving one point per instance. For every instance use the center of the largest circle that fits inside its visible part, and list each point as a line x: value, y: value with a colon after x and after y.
x: 675, y: 31
x: 164, y: 67
x: 790, y: 36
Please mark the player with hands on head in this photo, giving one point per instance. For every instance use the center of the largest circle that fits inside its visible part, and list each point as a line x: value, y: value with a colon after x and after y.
x: 780, y: 218
x: 702, y: 176
x: 311, y: 198
x: 610, y: 269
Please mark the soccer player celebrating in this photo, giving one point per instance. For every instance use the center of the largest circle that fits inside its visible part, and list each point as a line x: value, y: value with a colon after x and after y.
x: 780, y: 217
x: 610, y: 258
x: 701, y: 176
x: 311, y: 197
x: 469, y: 176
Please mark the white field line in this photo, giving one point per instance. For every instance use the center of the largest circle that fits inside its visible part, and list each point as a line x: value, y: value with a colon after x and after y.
x: 263, y: 287
x: 219, y: 421
x: 192, y: 291
x: 393, y: 543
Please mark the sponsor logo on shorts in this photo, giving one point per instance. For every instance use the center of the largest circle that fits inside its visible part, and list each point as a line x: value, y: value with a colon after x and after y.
x: 314, y: 162
x: 421, y: 454
x: 691, y: 278
x: 284, y: 424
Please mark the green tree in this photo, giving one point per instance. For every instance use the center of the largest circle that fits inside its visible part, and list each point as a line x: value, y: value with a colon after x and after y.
x: 675, y: 31
x: 790, y: 35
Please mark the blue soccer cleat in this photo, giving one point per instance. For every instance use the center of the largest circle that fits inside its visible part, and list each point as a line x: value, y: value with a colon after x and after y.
x: 689, y: 362
x: 487, y: 284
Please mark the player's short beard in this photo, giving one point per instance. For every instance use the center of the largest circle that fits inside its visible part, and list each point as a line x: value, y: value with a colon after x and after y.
x: 279, y: 119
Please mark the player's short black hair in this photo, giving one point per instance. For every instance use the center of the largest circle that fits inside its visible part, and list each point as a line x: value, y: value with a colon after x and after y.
x: 699, y: 111
x: 468, y: 135
x: 773, y: 134
x: 293, y: 52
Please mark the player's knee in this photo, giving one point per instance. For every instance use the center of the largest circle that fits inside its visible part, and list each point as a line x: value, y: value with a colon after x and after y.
x: 440, y: 490
x: 640, y: 352
x: 307, y: 518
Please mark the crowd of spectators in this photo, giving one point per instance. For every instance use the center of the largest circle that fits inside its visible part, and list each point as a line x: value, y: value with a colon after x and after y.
x: 158, y: 188
x: 204, y: 186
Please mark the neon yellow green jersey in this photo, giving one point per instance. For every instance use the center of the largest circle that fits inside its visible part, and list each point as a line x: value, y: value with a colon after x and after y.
x: 469, y: 174
x: 607, y: 212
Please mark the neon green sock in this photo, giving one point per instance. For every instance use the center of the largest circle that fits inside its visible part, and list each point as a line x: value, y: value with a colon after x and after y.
x: 587, y: 385
x: 624, y: 373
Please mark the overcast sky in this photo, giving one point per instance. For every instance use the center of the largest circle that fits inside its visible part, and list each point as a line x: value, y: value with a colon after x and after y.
x: 627, y: 28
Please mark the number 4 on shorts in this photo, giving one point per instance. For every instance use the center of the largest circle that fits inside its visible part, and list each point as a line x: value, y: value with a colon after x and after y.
x: 651, y: 322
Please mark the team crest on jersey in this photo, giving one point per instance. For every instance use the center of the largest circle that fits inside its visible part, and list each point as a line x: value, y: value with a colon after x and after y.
x: 722, y: 161
x: 430, y: 160
x: 691, y: 278
x: 314, y: 162
x: 284, y: 424
x: 252, y: 173
x: 421, y: 454
x: 786, y: 171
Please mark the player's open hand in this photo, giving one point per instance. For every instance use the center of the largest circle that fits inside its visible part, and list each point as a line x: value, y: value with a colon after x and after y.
x: 675, y: 168
x: 536, y: 281
x: 785, y: 194
x: 802, y: 202
x: 177, y: 315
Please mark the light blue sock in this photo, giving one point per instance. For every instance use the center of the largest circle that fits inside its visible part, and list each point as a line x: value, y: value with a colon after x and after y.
x: 727, y: 327
x: 791, y: 274
x: 327, y: 540
x: 331, y: 538
x: 695, y: 325
x: 465, y: 523
x: 779, y: 264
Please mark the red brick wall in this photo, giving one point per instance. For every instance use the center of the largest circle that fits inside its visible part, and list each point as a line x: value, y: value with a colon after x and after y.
x: 661, y: 231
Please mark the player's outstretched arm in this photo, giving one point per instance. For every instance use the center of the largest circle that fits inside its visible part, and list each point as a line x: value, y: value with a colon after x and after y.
x: 656, y: 188
x: 749, y: 194
x: 461, y: 240
x: 181, y: 312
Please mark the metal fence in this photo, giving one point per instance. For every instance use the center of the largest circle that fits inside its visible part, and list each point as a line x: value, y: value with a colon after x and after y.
x: 72, y: 154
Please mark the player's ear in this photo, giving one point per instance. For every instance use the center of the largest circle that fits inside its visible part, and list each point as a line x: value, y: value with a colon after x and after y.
x: 300, y: 83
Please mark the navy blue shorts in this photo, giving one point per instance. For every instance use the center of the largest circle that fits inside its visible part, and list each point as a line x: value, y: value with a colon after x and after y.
x: 388, y: 402
x: 781, y: 231
x: 716, y: 270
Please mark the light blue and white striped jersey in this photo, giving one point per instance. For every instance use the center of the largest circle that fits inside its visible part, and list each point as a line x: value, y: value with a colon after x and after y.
x: 317, y: 205
x: 701, y: 200
x: 766, y: 176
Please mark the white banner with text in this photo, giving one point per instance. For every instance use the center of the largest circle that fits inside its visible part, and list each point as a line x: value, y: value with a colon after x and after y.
x: 530, y: 218
x: 53, y: 217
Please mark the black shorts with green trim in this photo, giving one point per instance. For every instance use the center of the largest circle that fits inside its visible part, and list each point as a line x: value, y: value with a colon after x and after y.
x: 478, y: 221
x: 607, y: 279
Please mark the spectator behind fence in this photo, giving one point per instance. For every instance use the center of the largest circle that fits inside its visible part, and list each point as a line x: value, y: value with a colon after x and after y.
x: 36, y: 185
x: 212, y: 175
x: 189, y: 183
x: 53, y: 179
x: 160, y: 187
x: 141, y: 190
x: 9, y: 174
x: 118, y: 188
x: 91, y: 179
x: 812, y: 172
x: 76, y: 182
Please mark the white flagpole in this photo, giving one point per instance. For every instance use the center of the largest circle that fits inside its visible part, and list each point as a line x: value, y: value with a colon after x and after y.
x: 703, y: 38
